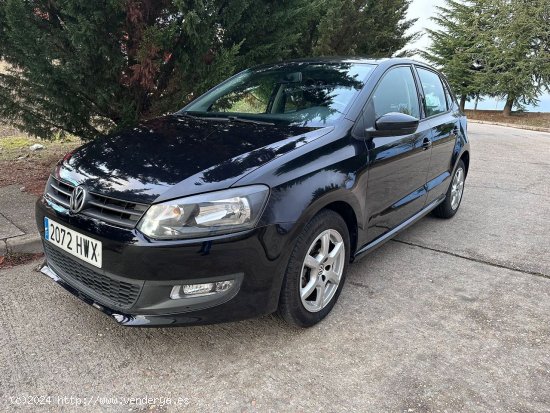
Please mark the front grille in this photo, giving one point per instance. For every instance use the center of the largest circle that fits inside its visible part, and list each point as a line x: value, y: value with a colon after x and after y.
x: 106, y: 290
x: 113, y: 211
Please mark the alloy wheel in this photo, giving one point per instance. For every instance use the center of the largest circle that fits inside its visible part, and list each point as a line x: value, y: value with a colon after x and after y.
x: 322, y: 270
x: 457, y: 188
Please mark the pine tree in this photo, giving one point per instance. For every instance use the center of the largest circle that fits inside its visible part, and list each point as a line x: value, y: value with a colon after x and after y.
x: 88, y: 68
x: 268, y: 31
x: 84, y: 68
x: 518, y: 57
x: 458, y: 47
x: 369, y: 28
x: 499, y: 48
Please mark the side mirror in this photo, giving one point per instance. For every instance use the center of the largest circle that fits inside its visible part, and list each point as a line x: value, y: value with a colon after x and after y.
x: 393, y: 124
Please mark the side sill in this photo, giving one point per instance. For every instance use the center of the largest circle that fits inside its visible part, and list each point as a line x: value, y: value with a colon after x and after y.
x: 390, y: 234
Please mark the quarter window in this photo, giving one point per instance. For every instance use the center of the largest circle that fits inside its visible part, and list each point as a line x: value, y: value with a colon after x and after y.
x: 450, y: 98
x: 434, y: 94
x: 396, y: 92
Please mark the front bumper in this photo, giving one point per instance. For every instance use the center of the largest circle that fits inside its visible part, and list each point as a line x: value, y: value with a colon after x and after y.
x: 132, y: 320
x: 134, y: 284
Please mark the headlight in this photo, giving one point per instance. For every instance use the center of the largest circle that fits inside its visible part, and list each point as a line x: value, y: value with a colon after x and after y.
x: 213, y: 213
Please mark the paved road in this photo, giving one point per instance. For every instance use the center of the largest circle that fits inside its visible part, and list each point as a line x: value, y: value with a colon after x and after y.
x: 452, y: 316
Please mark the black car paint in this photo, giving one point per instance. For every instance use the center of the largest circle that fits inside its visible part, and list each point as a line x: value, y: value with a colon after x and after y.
x: 179, y: 155
x: 377, y: 184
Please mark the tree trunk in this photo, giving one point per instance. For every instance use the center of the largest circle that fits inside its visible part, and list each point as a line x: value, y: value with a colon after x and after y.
x: 508, y: 107
x: 462, y: 102
x: 475, y: 104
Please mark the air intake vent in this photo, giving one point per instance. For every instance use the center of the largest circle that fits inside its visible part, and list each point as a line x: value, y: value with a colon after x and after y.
x: 104, y: 289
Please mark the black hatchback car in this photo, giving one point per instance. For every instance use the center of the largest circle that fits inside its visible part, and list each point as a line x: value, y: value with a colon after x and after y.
x: 255, y: 197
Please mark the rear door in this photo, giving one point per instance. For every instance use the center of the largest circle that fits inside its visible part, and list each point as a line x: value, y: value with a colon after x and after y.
x: 443, y: 116
x: 397, y: 164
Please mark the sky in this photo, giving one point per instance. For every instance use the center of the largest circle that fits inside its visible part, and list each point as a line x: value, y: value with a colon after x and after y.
x: 423, y: 10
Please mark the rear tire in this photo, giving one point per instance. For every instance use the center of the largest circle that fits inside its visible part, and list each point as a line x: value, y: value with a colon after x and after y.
x: 449, y: 207
x: 316, y: 270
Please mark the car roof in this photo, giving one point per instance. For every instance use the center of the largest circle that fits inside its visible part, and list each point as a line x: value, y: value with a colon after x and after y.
x: 388, y: 61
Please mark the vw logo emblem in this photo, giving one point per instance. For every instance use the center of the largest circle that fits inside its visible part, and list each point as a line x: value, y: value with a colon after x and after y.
x: 77, y: 200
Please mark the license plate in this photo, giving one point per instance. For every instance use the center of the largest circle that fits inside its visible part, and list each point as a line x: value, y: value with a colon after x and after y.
x: 79, y: 245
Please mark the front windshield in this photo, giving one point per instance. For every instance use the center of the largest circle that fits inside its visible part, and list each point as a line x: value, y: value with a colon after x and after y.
x: 308, y: 94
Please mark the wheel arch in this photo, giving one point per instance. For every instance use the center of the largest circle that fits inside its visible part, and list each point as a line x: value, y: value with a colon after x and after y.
x: 346, y: 211
x: 345, y: 204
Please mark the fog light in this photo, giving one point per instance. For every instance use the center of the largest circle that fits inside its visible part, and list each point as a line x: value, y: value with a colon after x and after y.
x: 223, y: 285
x: 198, y: 290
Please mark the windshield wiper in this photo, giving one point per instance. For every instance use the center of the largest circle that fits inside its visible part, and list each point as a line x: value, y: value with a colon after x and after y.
x: 244, y: 120
x: 226, y: 119
x: 200, y: 116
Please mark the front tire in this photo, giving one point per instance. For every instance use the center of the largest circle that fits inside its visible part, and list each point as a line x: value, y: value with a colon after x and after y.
x: 316, y: 270
x: 449, y: 207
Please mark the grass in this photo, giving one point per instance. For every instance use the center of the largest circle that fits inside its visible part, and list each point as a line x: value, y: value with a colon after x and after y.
x: 13, y: 148
x: 531, y: 119
x: 29, y: 169
x: 14, y: 143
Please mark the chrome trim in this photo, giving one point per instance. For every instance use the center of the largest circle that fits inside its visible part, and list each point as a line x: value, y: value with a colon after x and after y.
x: 116, y: 208
x: 104, y: 208
x: 112, y: 220
x: 58, y: 200
x: 58, y: 188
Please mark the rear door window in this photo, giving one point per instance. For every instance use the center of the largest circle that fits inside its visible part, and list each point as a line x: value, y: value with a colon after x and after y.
x: 434, y: 94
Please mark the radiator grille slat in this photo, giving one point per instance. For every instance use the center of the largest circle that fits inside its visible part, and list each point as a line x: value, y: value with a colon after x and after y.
x: 110, y: 210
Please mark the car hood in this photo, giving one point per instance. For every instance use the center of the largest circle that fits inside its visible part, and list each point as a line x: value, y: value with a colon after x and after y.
x: 177, y: 156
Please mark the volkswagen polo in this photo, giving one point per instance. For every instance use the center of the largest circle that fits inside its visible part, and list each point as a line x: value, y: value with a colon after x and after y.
x: 255, y: 197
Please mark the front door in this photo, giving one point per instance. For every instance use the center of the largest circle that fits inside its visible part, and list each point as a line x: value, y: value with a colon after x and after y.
x: 398, y: 165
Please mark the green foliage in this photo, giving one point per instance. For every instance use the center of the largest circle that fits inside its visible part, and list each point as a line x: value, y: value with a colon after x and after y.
x: 87, y: 68
x: 370, y: 28
x: 494, y: 47
x: 456, y: 49
x: 518, y: 57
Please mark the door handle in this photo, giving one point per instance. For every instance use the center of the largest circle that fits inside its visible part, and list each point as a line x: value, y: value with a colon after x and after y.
x: 426, y: 143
